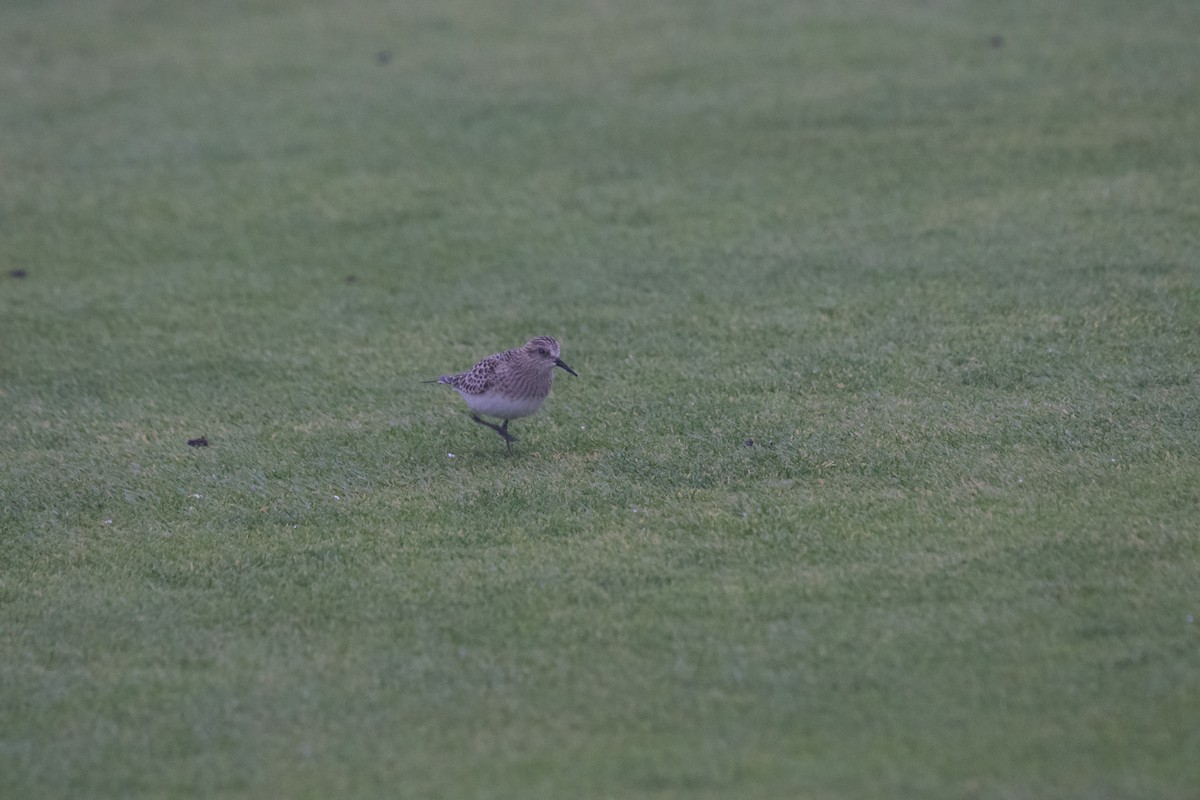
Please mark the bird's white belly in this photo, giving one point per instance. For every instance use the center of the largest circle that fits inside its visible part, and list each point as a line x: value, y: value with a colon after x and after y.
x: 497, y: 405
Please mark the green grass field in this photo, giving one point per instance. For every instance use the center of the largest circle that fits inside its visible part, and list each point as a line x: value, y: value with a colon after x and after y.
x: 880, y: 478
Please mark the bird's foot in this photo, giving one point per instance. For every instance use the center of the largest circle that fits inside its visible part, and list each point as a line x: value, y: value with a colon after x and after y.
x: 500, y: 429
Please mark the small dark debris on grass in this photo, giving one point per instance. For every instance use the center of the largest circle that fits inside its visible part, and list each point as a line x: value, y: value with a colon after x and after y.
x: 996, y: 41
x: 17, y: 273
x: 201, y: 442
x: 383, y: 57
x: 748, y: 443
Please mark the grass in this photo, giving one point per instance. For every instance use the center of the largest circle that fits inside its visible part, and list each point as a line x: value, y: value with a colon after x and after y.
x: 879, y: 478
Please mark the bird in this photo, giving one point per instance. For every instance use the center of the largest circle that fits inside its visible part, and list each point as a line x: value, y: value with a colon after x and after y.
x: 509, y: 385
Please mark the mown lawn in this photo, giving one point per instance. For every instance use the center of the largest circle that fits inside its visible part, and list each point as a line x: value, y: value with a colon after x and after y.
x: 880, y: 478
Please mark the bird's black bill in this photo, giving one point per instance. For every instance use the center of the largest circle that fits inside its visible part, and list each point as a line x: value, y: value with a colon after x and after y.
x: 558, y: 362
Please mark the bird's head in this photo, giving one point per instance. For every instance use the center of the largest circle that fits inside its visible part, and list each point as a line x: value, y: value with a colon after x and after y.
x: 544, y: 350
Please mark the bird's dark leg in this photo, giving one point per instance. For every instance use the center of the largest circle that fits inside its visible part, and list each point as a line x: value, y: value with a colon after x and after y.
x: 500, y: 429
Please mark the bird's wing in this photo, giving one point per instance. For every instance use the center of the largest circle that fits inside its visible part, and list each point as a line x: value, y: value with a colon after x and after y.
x: 479, y: 378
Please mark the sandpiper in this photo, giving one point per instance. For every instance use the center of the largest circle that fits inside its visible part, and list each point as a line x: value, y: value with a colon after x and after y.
x: 509, y: 385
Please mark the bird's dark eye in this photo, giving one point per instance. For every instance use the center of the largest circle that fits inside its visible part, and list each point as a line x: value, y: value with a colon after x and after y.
x: 542, y: 351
